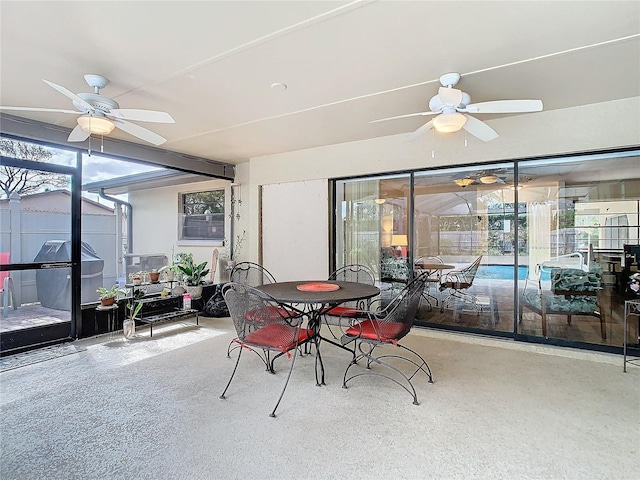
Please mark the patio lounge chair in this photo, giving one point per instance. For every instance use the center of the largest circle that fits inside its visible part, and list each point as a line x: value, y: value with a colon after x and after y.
x: 573, y: 292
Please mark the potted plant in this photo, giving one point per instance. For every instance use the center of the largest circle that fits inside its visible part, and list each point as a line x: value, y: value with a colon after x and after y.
x: 108, y: 296
x: 192, y: 273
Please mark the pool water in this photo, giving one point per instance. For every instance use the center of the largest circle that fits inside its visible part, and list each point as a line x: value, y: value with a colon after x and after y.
x: 505, y: 272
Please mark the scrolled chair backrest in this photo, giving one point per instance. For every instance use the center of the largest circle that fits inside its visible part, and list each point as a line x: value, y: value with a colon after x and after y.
x: 397, y: 318
x: 354, y: 273
x: 250, y: 307
x: 252, y: 274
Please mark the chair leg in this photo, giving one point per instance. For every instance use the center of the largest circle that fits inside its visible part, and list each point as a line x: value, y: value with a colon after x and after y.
x: 406, y: 385
x: 293, y: 361
x: 232, y: 373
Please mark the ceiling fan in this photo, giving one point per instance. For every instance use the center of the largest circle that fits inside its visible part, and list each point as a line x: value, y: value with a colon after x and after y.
x: 100, y: 115
x: 485, y: 177
x: 452, y: 107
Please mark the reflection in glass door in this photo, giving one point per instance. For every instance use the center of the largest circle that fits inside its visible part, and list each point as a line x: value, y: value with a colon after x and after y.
x: 465, y: 238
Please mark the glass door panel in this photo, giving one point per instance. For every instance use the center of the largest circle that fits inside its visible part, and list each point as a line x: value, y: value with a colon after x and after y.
x: 462, y: 216
x: 581, y: 213
x: 35, y: 225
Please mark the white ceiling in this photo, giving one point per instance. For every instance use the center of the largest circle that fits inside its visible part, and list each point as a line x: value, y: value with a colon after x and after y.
x: 211, y: 64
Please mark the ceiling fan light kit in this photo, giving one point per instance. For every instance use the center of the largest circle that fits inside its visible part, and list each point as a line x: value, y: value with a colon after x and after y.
x: 449, y: 122
x: 96, y: 125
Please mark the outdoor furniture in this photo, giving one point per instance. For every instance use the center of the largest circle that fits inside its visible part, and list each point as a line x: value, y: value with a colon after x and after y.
x: 458, y: 282
x: 252, y: 274
x: 433, y: 267
x: 313, y: 298
x: 572, y: 292
x: 387, y: 328
x: 349, y: 273
x: 264, y: 325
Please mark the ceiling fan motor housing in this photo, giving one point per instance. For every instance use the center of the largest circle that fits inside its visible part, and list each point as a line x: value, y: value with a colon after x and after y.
x: 99, y: 102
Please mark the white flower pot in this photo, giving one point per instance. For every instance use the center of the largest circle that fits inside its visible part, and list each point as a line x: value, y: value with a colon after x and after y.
x: 195, y: 291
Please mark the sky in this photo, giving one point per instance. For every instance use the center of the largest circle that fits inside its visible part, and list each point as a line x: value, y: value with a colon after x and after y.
x: 97, y: 167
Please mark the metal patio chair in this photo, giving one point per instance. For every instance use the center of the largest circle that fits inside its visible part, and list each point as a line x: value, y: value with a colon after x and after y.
x: 349, y: 310
x: 265, y: 327
x: 433, y: 278
x: 386, y: 328
x: 458, y: 282
x: 252, y: 274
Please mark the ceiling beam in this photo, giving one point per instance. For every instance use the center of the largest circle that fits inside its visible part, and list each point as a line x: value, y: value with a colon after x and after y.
x: 57, y: 135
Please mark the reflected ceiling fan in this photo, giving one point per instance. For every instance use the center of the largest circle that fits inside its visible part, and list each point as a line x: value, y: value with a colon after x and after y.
x: 485, y: 177
x: 100, y: 115
x: 452, y: 106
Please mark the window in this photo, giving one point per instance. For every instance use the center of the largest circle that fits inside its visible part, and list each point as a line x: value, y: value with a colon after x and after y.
x: 202, y: 216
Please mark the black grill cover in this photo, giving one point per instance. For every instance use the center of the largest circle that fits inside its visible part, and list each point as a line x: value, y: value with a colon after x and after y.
x: 54, y: 285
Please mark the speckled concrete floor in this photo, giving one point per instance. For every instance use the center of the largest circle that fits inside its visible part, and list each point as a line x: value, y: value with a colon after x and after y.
x: 149, y: 409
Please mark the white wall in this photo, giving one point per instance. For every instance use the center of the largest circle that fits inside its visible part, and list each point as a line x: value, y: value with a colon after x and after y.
x: 592, y: 127
x: 156, y: 221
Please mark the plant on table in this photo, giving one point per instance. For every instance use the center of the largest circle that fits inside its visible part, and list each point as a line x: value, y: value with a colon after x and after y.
x: 192, y: 274
x: 108, y: 296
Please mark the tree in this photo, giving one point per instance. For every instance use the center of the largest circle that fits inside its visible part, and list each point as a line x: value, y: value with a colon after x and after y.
x: 24, y: 181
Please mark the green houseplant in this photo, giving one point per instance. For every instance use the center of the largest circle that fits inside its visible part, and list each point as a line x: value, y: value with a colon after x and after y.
x: 192, y: 273
x: 108, y: 296
x: 133, y: 307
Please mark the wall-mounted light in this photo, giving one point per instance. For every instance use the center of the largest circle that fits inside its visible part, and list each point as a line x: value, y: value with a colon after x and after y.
x: 379, y: 201
x: 463, y: 182
x: 96, y: 125
x: 449, y: 122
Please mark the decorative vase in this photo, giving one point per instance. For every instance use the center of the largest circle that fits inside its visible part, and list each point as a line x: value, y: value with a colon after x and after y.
x: 129, y: 327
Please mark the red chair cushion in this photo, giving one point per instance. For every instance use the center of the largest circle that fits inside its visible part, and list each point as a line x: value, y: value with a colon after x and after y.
x: 383, y: 331
x: 277, y: 336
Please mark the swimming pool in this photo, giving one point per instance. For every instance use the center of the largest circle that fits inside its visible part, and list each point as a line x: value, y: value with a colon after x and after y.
x: 505, y: 272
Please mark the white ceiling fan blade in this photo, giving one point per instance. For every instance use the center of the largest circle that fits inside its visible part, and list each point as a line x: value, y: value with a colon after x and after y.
x: 140, y: 132
x: 71, y: 95
x: 140, y: 115
x: 479, y: 129
x: 36, y: 109
x: 420, y: 131
x: 418, y: 114
x: 450, y: 96
x: 505, y: 106
x: 78, y: 135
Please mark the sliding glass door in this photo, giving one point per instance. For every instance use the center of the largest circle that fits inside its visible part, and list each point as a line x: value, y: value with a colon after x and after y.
x: 554, y: 241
